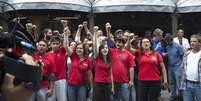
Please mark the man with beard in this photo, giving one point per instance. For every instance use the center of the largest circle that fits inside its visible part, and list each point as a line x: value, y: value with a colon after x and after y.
x: 48, y: 69
x: 175, y: 55
x: 122, y: 70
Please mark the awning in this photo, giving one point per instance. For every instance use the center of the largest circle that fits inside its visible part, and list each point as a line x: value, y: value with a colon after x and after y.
x: 188, y: 6
x: 99, y: 6
x: 74, y: 5
x: 102, y: 6
x: 2, y: 5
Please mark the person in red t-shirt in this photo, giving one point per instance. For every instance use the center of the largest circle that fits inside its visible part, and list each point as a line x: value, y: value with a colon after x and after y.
x: 149, y: 83
x: 122, y: 70
x: 58, y: 55
x: 80, y: 70
x: 46, y: 88
x: 103, y: 75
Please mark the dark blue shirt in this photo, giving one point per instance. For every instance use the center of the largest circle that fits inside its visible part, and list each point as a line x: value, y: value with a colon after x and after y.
x: 110, y: 44
x: 160, y: 44
x: 175, y: 55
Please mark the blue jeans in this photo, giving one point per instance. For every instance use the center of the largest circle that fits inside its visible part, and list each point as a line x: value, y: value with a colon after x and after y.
x: 121, y: 91
x: 193, y: 91
x: 41, y: 95
x: 77, y: 93
x: 174, y: 82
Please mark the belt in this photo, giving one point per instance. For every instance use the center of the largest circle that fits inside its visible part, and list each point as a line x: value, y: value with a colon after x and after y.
x: 195, y: 82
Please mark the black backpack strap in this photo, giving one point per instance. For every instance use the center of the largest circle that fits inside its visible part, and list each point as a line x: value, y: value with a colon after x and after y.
x: 22, y: 71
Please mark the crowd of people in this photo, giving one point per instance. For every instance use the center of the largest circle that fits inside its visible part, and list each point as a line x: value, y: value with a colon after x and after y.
x: 104, y: 66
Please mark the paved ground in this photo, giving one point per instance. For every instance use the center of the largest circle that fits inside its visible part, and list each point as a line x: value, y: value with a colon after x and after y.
x: 164, y: 95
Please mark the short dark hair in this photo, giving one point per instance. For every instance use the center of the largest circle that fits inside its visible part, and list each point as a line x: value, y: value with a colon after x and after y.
x: 43, y: 41
x: 55, y: 39
x: 168, y: 37
x: 180, y: 30
x: 118, y: 31
x: 46, y: 30
x: 121, y: 39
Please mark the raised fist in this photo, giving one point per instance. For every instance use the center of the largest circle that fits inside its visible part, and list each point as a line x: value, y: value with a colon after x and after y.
x: 84, y: 23
x: 64, y: 22
x: 80, y: 26
x: 34, y: 27
x: 96, y: 28
x: 108, y: 26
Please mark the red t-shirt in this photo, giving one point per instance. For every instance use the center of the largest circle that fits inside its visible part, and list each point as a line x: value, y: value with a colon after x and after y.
x: 78, y: 70
x: 148, y: 69
x: 37, y: 56
x: 102, y: 71
x: 17, y: 52
x: 60, y: 63
x: 122, y: 61
x: 48, y: 68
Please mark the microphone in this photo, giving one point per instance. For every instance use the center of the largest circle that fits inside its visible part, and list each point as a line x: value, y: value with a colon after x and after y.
x: 27, y: 45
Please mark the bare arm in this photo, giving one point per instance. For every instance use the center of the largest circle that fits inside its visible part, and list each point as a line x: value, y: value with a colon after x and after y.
x: 66, y: 33
x: 181, y: 73
x: 164, y: 74
x: 95, y: 50
x: 90, y: 78
x: 50, y: 88
x: 87, y: 29
x: 131, y: 77
x: 111, y: 78
x: 78, y: 33
x: 128, y: 42
x: 36, y: 36
x: 108, y: 32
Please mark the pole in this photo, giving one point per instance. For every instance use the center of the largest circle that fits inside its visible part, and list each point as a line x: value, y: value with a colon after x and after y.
x: 174, y: 24
x: 91, y: 17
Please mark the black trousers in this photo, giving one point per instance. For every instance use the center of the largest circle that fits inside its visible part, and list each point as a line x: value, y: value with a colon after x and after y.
x: 149, y: 90
x: 101, y: 92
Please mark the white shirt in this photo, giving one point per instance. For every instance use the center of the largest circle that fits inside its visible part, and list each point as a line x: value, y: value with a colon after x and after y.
x: 68, y: 64
x: 185, y: 43
x: 192, y: 66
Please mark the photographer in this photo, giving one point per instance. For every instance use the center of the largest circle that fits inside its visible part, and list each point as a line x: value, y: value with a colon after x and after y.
x: 12, y: 92
x: 19, y: 76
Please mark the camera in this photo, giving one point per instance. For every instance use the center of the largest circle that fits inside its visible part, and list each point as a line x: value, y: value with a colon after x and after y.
x: 19, y: 39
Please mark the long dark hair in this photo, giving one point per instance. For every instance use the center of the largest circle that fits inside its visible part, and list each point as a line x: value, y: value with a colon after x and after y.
x: 141, y: 49
x: 85, y: 51
x: 108, y: 57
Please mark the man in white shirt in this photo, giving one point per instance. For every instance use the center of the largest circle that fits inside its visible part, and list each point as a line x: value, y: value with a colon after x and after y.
x: 191, y: 71
x: 181, y: 40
